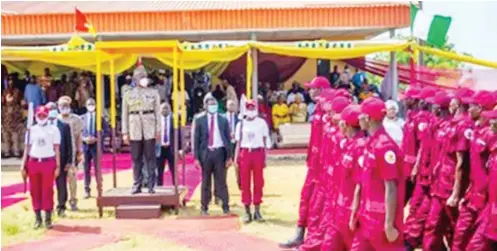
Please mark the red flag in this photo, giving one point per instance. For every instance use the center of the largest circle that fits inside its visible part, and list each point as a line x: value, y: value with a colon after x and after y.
x: 83, y: 24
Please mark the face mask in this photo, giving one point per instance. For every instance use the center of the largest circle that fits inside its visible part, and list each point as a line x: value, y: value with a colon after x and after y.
x: 143, y: 82
x: 212, y: 108
x: 251, y: 114
x: 90, y: 108
x: 65, y: 111
x: 41, y: 122
x: 53, y: 114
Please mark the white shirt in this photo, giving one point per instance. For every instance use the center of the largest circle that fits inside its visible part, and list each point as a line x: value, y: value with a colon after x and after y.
x: 291, y: 97
x: 254, y: 132
x: 218, y: 140
x: 394, y: 128
x: 165, y: 128
x: 42, y: 140
x: 231, y: 120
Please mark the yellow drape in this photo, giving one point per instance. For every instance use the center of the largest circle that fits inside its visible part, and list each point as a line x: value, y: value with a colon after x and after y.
x: 455, y: 56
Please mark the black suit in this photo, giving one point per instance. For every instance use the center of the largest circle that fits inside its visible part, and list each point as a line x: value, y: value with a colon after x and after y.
x: 213, y: 161
x: 65, y: 150
x: 167, y: 153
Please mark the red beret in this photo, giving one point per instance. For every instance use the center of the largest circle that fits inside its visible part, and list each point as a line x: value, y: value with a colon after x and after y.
x: 425, y: 93
x: 464, y: 95
x: 41, y: 110
x: 339, y: 103
x: 319, y: 82
x: 351, y: 115
x: 411, y: 92
x: 249, y: 103
x: 374, y: 107
x: 485, y: 99
x: 441, y: 98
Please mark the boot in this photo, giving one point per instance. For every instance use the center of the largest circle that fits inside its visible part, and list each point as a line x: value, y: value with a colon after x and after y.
x: 297, y: 240
x: 248, y: 216
x: 257, y: 214
x: 37, y: 219
x: 48, y: 220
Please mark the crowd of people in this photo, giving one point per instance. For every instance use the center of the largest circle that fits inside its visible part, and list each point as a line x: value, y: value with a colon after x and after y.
x: 365, y: 164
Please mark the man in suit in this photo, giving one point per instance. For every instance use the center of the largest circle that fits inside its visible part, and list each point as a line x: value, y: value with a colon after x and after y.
x: 167, y: 145
x: 213, y: 153
x: 65, y: 150
x: 89, y: 141
x: 232, y: 117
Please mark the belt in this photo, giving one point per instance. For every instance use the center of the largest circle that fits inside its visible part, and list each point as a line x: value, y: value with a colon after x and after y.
x: 214, y: 148
x: 257, y: 149
x: 142, y: 112
x: 41, y: 159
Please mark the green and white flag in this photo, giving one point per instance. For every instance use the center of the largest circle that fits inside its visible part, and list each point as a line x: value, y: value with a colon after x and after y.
x: 431, y: 28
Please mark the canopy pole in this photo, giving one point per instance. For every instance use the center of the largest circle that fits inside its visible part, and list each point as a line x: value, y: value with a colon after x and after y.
x: 113, y: 120
x: 175, y: 99
x: 183, y: 111
x: 255, y: 69
x: 393, y: 70
x: 99, y: 114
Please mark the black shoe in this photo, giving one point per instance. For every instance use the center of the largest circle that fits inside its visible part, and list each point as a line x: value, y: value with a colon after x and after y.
x: 226, y: 211
x: 87, y: 195
x: 204, y: 213
x: 74, y: 207
x: 296, y: 241
x: 248, y: 216
x: 136, y: 190
x: 408, y: 247
x: 151, y: 191
x: 48, y: 220
x: 257, y: 214
x: 61, y: 213
x: 38, y: 220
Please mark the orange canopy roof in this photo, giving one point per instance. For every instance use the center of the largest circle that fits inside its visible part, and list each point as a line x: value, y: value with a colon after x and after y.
x: 35, y: 18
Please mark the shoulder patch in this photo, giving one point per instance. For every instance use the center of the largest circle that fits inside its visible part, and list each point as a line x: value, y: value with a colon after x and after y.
x: 422, y: 126
x: 342, y: 143
x: 390, y: 157
x: 360, y: 160
x: 468, y: 134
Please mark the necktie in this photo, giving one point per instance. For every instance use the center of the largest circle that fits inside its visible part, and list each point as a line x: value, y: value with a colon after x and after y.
x: 165, y: 139
x: 211, y: 131
x: 92, y: 132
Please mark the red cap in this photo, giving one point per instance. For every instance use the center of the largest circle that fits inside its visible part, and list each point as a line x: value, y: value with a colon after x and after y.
x: 250, y: 103
x: 442, y: 99
x: 411, y: 92
x: 328, y: 94
x: 339, y: 103
x: 351, y: 115
x: 464, y: 95
x: 374, y: 107
x: 425, y: 93
x: 41, y: 110
x: 485, y: 99
x: 489, y: 114
x: 343, y: 93
x: 319, y: 82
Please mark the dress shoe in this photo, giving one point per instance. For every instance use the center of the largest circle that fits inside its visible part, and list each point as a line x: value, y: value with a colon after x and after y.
x: 296, y: 241
x: 257, y: 214
x: 226, y: 211
x: 87, y: 195
x: 48, y: 220
x: 204, y: 213
x: 136, y: 191
x: 151, y: 191
x: 74, y: 207
x: 248, y: 216
x: 38, y: 220
x: 61, y: 213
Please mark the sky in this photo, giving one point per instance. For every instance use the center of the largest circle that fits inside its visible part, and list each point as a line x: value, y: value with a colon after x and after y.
x: 473, y: 29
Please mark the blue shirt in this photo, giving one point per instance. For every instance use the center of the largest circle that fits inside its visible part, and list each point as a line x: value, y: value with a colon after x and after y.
x: 358, y: 79
x: 34, y: 94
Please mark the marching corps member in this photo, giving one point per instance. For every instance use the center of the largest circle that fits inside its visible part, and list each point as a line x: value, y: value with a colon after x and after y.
x: 430, y: 149
x: 252, y: 137
x: 475, y: 198
x: 448, y: 176
x: 315, y: 86
x: 382, y: 187
x: 338, y: 235
x: 485, y: 237
x: 41, y: 163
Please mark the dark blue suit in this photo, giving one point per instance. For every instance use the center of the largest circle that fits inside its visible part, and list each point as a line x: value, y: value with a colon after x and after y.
x: 65, y: 149
x: 89, y: 150
x: 213, y: 161
x: 167, y: 153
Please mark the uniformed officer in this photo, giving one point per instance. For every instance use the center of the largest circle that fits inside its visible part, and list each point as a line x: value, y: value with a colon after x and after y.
x: 315, y: 86
x: 76, y: 125
x: 42, y: 164
x: 485, y: 237
x: 476, y: 195
x: 338, y: 236
x: 448, y: 175
x: 382, y: 187
x: 141, y: 128
x: 12, y: 121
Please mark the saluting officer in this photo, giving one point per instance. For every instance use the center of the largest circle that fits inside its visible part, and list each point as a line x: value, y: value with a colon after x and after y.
x: 141, y: 128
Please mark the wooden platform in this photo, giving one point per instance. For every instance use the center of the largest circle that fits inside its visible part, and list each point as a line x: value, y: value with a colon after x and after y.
x: 163, y: 196
x: 138, y: 212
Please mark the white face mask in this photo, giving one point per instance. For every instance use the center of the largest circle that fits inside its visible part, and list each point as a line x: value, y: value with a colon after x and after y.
x: 143, y: 82
x: 41, y: 122
x: 90, y: 108
x: 251, y: 113
x: 65, y: 111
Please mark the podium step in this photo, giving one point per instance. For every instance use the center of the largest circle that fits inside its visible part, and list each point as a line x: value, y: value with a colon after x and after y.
x: 138, y: 211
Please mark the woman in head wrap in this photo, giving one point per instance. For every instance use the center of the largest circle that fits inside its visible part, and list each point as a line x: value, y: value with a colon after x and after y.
x: 392, y: 123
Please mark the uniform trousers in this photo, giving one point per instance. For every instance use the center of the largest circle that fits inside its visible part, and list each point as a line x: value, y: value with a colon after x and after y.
x: 143, y: 152
x: 214, y: 164
x: 305, y: 198
x: 11, y: 141
x: 41, y: 180
x: 315, y: 234
x: 465, y: 227
x: 440, y: 223
x: 166, y: 154
x: 363, y: 242
x: 90, y: 154
x: 252, y: 163
x: 479, y: 241
x: 61, y: 184
x: 73, y: 184
x: 419, y: 207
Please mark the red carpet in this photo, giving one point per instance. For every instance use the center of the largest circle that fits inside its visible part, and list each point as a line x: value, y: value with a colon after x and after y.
x: 78, y: 242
